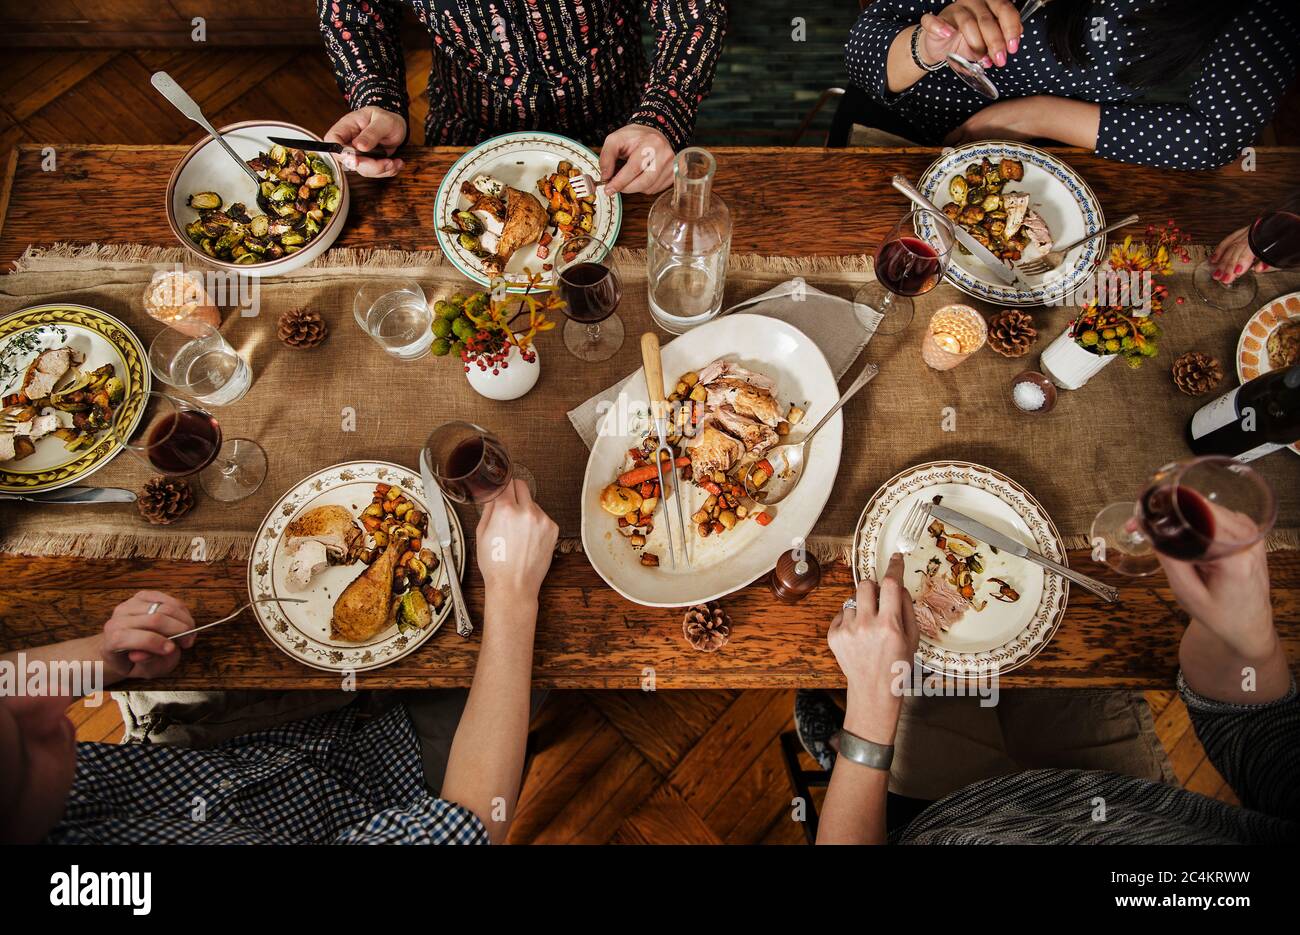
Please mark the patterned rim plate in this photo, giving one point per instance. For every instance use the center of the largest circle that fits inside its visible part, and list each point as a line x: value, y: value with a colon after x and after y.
x: 519, y: 160
x: 1064, y: 200
x: 1002, y: 636
x: 103, y: 340
x: 1252, y: 346
x: 301, y: 631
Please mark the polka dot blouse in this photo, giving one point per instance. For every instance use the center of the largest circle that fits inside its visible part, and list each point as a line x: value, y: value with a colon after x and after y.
x: 1242, y: 77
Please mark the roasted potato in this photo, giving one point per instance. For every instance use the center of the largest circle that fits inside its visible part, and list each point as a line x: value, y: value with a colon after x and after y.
x: 619, y: 501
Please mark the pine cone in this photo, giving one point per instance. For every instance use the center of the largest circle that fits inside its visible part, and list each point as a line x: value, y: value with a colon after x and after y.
x: 302, y: 328
x: 1196, y: 373
x: 707, y: 627
x: 1012, y: 333
x: 164, y: 500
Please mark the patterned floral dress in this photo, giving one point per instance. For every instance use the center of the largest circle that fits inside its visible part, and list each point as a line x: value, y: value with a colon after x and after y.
x: 572, y: 66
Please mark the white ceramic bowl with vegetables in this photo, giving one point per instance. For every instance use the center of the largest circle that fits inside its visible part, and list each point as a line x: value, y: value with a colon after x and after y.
x: 221, y: 217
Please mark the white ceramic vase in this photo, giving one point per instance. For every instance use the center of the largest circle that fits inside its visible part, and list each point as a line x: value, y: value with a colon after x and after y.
x: 1068, y: 365
x: 510, y: 383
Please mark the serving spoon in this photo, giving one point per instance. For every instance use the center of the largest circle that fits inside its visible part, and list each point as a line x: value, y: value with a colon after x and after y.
x: 792, y: 455
x: 168, y: 88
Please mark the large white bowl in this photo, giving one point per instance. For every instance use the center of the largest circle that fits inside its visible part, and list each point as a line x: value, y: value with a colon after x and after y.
x: 208, y: 168
x: 723, y: 563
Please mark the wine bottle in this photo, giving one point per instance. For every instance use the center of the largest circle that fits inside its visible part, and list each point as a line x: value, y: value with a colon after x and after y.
x: 1251, y: 421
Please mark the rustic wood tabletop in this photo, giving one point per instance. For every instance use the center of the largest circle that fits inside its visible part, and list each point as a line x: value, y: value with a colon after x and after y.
x: 588, y: 636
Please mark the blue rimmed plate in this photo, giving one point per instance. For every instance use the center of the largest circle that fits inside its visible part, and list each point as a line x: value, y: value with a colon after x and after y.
x: 1065, y: 202
x: 518, y: 160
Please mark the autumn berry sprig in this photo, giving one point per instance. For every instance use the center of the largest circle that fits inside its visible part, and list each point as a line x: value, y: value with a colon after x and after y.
x: 483, y: 328
x: 1127, y: 327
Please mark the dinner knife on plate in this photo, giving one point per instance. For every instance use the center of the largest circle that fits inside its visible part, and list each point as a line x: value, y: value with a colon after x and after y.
x: 1003, y: 543
x: 76, y: 495
x: 981, y: 252
x: 319, y: 146
x: 442, y: 529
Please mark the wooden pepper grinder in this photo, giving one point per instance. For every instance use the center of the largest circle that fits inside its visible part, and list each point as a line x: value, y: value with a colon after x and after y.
x: 795, y: 576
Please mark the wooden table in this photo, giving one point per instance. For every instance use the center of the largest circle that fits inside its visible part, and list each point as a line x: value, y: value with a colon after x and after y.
x: 588, y: 636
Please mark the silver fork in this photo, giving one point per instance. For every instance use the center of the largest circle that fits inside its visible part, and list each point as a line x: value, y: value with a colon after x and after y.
x: 229, y: 617
x: 1050, y: 261
x: 584, y: 186
x: 909, y: 536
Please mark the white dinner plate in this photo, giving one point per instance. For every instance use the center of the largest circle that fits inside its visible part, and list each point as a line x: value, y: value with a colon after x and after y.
x: 518, y: 160
x: 1056, y: 191
x: 102, y: 339
x: 302, y: 631
x: 723, y: 563
x: 1252, y: 346
x: 1002, y: 636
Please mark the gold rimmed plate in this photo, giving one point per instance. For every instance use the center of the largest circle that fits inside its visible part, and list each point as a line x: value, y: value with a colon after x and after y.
x: 101, y: 339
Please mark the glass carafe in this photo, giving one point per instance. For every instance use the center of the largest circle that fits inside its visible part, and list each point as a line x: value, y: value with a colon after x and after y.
x: 690, y: 238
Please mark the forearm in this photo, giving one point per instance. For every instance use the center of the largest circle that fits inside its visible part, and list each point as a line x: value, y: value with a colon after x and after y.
x: 64, y: 676
x: 901, y: 71
x: 1253, y: 671
x: 485, y: 766
x: 366, y: 57
x: 687, y: 46
x: 1065, y: 120
x: 854, y: 809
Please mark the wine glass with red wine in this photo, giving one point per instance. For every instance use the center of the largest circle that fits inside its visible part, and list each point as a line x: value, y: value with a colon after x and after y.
x: 591, y: 289
x: 1274, y: 239
x: 1196, y: 510
x: 470, y: 464
x: 910, y: 261
x: 180, y: 439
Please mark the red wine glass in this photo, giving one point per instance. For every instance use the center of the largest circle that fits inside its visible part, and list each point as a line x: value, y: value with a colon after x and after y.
x: 1274, y: 239
x: 469, y: 463
x: 180, y: 439
x: 910, y: 261
x: 1196, y: 510
x: 591, y: 289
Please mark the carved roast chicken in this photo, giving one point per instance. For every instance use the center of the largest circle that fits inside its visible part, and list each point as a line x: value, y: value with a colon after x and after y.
x: 319, y: 538
x: 740, y: 415
x: 363, y: 609
x: 511, y: 220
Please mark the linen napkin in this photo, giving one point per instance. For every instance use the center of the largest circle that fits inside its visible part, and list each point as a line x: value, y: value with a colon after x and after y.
x: 829, y: 321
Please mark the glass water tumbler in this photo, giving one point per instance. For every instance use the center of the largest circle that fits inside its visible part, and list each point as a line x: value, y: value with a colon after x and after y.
x: 689, y: 241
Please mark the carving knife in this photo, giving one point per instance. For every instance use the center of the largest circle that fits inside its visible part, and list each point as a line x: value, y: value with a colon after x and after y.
x: 442, y: 529
x: 1003, y: 543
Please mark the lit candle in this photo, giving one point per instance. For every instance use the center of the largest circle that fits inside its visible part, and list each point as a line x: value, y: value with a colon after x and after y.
x: 955, y: 332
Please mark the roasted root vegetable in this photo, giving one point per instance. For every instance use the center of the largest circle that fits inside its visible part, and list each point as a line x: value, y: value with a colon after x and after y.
x: 620, y: 499
x: 297, y: 194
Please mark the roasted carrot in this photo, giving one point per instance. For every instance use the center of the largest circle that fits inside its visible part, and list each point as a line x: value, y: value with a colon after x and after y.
x: 711, y: 487
x: 765, y: 465
x: 638, y: 476
x: 762, y: 518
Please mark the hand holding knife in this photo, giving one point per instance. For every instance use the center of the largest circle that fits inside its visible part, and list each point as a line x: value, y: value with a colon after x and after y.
x: 441, y: 527
x: 338, y: 149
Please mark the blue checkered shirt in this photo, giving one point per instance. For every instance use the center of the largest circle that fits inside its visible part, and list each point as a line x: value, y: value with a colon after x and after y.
x: 330, y: 779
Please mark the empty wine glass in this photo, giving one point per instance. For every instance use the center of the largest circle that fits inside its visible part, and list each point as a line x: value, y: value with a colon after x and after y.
x: 1196, y: 510
x: 910, y: 261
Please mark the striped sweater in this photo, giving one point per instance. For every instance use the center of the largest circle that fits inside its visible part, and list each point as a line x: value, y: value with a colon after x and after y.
x: 1255, y: 747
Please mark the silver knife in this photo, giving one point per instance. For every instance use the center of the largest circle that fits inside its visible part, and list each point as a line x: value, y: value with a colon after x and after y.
x: 981, y: 252
x: 442, y: 529
x: 76, y: 495
x: 1006, y: 544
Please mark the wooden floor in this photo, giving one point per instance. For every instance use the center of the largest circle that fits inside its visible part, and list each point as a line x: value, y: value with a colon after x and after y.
x: 626, y: 767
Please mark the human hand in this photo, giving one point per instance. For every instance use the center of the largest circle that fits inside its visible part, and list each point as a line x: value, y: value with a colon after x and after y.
x: 1012, y: 119
x: 648, y: 165
x: 136, y: 643
x: 514, y: 542
x: 984, y: 31
x: 369, y: 128
x: 1232, y: 257
x: 1228, y: 596
x: 869, y: 643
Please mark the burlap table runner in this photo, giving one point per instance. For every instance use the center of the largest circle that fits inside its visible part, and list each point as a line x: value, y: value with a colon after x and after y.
x: 1097, y: 446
